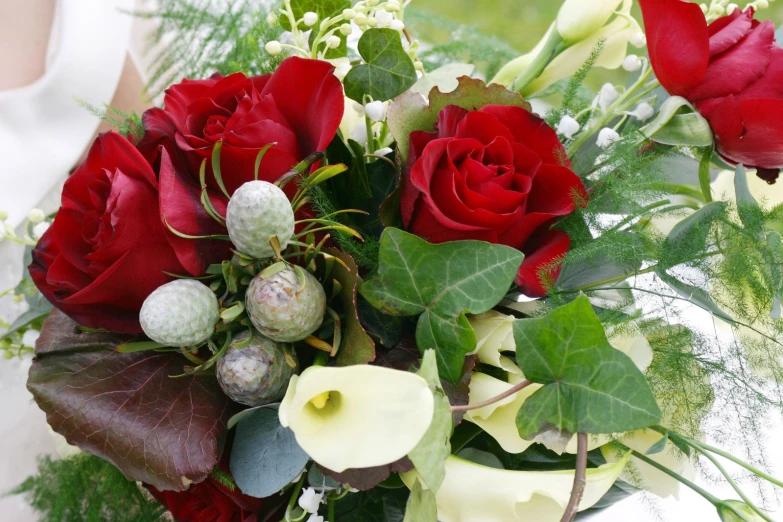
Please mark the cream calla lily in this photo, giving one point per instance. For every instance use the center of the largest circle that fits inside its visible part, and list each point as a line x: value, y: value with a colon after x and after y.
x: 616, y: 35
x: 475, y: 493
x: 578, y: 19
x: 357, y: 416
x: 643, y: 475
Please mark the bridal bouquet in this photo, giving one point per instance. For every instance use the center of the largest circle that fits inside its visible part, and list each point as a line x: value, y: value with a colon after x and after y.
x: 356, y: 276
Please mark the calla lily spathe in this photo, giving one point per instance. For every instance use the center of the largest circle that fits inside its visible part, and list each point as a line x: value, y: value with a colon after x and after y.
x: 357, y: 416
x: 578, y: 19
x: 475, y: 493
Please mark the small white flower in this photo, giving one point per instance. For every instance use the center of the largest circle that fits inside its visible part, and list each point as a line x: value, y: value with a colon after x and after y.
x: 376, y: 110
x: 310, y: 18
x: 643, y: 112
x: 360, y: 19
x: 273, y: 47
x: 271, y: 18
x: 346, y: 29
x: 632, y: 63
x: 310, y: 500
x: 349, y: 14
x: 39, y: 229
x: 606, y: 137
x: 372, y: 22
x: 36, y: 215
x: 730, y: 8
x: 333, y: 42
x: 392, y: 6
x: 418, y: 66
x: 358, y: 107
x: 607, y: 96
x: 341, y: 68
x: 315, y: 518
x: 384, y: 151
x: 568, y: 127
x: 638, y: 40
x: 384, y: 18
x: 397, y: 25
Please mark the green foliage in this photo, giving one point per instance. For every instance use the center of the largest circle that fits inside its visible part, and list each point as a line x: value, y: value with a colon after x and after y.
x: 574, y: 97
x: 429, y: 455
x: 196, y: 38
x: 127, y: 124
x: 441, y: 283
x: 454, y: 42
x: 387, y: 69
x: 589, y: 386
x: 84, y: 488
x: 421, y: 505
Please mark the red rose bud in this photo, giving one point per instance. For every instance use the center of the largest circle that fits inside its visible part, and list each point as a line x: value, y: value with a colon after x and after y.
x: 107, y: 249
x: 498, y: 174
x: 731, y: 70
x: 299, y: 108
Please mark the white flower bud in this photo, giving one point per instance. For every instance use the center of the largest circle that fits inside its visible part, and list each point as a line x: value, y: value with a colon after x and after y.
x: 384, y: 18
x: 638, y: 40
x: 333, y: 42
x: 360, y: 19
x: 384, y: 151
x: 271, y: 18
x: 372, y: 22
x: 418, y: 66
x: 606, y: 137
x: 346, y: 29
x: 375, y: 110
x: 3, y: 215
x: 36, y: 215
x: 372, y: 3
x: 632, y: 63
x: 349, y: 14
x: 568, y: 126
x: 310, y: 18
x: 273, y: 47
x: 397, y: 25
x: 643, y: 112
x: 392, y: 6
x: 40, y: 229
x: 310, y: 500
x: 607, y: 96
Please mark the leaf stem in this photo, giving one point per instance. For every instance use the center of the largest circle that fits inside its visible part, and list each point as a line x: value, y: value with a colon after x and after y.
x: 702, y: 447
x: 580, y: 480
x: 330, y: 503
x: 511, y: 391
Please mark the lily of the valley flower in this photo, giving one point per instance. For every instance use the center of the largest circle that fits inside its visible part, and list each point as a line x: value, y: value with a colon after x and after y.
x: 310, y: 500
x: 645, y: 476
x: 475, y: 493
x: 357, y: 416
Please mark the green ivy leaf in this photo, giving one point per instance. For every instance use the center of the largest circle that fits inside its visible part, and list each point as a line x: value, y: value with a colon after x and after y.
x: 388, y: 70
x: 421, y: 505
x: 265, y: 457
x: 442, y: 283
x: 589, y: 387
x: 429, y: 455
x: 324, y: 8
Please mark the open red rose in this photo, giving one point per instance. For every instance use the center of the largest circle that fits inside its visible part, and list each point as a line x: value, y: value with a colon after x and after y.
x: 106, y: 250
x: 210, y: 501
x: 498, y: 174
x: 299, y: 108
x: 731, y: 70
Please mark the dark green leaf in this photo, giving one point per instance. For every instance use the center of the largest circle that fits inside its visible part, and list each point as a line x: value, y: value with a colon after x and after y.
x: 265, y: 457
x: 377, y: 505
x: 389, y: 329
x: 442, y: 283
x: 589, y: 387
x: 421, y: 505
x: 483, y: 458
x: 124, y: 408
x: 660, y: 445
x: 429, y: 455
x: 387, y: 71
x: 324, y: 8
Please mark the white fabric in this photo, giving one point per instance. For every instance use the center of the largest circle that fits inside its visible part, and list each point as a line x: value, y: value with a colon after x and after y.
x: 43, y: 129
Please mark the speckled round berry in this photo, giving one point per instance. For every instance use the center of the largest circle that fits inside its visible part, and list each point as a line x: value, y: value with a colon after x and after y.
x: 180, y: 313
x: 257, y: 211
x: 255, y: 371
x: 287, y: 306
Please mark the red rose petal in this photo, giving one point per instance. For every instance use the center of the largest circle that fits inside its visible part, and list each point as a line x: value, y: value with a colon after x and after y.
x: 728, y: 30
x: 449, y: 118
x: 531, y: 131
x: 554, y: 246
x: 484, y: 127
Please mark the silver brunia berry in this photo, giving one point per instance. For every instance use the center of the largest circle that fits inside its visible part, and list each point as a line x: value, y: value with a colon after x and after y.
x: 287, y: 306
x: 180, y: 313
x: 255, y: 371
x: 257, y: 211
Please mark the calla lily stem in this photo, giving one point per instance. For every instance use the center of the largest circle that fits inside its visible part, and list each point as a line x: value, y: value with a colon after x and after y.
x: 511, y: 391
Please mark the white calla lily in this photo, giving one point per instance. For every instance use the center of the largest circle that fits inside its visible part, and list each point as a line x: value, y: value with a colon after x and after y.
x: 357, y: 416
x: 645, y: 476
x: 578, y: 19
x: 475, y: 493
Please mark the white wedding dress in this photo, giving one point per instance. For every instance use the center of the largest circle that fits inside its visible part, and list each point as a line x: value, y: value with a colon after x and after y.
x: 43, y: 132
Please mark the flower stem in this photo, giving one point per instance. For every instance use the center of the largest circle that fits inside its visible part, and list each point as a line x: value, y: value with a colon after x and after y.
x: 511, y: 391
x: 702, y: 447
x: 580, y: 480
x: 554, y: 45
x: 295, y: 496
x: 330, y: 503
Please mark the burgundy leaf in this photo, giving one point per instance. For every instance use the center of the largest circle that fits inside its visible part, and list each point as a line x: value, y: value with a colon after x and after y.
x: 126, y: 408
x: 367, y: 478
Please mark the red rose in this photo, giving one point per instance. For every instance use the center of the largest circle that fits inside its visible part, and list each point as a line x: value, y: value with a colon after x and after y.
x: 498, y: 174
x: 210, y: 501
x: 731, y: 70
x: 299, y: 108
x: 106, y: 250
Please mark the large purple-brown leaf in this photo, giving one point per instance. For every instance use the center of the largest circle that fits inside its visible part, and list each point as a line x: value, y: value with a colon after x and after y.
x: 367, y: 478
x: 125, y: 407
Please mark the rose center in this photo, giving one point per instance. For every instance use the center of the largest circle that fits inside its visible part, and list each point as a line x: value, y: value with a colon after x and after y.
x: 213, y: 129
